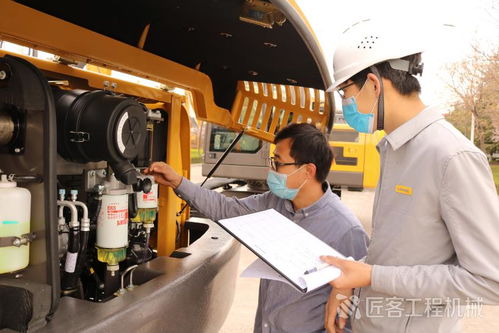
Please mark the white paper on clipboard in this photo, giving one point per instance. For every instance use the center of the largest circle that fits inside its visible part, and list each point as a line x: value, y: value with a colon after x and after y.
x: 285, y: 249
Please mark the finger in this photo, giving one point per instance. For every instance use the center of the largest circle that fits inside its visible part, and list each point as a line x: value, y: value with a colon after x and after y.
x: 342, y: 322
x: 326, y: 314
x: 327, y: 319
x: 333, y: 261
x: 344, y: 310
x: 153, y: 164
x: 156, y: 166
x: 332, y: 308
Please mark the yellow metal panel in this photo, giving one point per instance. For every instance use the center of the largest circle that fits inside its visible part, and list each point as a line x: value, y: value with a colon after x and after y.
x: 75, y: 43
x: 353, y: 150
x: 26, y: 26
x: 94, y: 80
x: 185, y: 148
x: 350, y: 149
x: 275, y: 108
x: 97, y: 69
x: 169, y: 203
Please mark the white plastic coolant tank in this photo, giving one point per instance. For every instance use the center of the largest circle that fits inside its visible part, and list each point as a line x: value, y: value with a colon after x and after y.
x: 15, y: 211
x: 112, y: 223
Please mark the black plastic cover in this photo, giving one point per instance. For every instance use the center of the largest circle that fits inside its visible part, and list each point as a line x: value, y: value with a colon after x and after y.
x: 204, y: 34
x: 16, y: 308
x: 99, y: 126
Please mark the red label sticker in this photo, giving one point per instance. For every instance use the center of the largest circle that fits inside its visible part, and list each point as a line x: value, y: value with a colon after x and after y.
x: 120, y: 215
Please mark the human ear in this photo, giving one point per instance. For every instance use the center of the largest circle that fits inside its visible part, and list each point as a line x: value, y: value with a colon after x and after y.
x: 375, y: 82
x: 311, y: 169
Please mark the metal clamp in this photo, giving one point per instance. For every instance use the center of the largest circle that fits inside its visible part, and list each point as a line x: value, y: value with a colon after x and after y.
x: 25, y: 239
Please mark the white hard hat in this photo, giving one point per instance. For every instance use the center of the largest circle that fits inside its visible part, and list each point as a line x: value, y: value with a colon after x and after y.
x: 370, y: 42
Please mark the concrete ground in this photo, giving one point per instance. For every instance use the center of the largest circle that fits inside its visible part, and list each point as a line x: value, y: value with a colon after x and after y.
x: 242, y: 313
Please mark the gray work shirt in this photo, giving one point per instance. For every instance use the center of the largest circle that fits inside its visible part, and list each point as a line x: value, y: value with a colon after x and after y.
x: 435, y: 240
x: 281, y: 308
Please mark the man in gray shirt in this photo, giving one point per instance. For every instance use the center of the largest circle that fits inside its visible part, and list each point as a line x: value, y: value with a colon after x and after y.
x: 298, y: 190
x: 435, y: 244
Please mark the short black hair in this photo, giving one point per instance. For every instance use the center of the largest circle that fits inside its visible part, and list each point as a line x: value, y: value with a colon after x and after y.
x: 308, y: 145
x: 405, y: 83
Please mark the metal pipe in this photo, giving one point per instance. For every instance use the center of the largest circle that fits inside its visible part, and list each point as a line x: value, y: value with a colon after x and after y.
x: 131, y: 286
x: 70, y: 279
x: 85, y: 221
x: 124, y: 274
x: 74, y: 212
x: 122, y: 289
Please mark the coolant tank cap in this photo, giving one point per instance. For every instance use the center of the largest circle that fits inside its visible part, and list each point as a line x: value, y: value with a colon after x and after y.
x: 6, y: 183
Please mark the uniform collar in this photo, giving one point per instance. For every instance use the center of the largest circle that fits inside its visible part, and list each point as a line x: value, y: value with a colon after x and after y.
x: 408, y: 130
x: 324, y: 199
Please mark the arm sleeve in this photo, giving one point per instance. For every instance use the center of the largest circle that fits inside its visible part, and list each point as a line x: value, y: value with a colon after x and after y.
x: 470, y: 209
x: 216, y: 206
x: 353, y: 243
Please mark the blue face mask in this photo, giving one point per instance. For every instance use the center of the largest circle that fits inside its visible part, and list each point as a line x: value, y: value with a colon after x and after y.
x: 277, y: 185
x: 361, y: 122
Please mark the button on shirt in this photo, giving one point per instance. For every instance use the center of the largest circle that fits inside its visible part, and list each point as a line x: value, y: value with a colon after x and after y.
x: 281, y: 308
x: 435, y: 230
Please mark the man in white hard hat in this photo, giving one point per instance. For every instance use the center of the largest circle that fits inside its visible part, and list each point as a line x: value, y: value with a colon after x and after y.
x: 435, y: 242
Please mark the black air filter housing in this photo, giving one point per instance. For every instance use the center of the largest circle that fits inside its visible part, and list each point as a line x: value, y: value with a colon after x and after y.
x: 97, y: 126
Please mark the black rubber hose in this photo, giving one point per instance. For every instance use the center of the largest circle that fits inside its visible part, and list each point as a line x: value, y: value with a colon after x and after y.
x: 69, y: 275
x: 95, y: 215
x: 80, y: 262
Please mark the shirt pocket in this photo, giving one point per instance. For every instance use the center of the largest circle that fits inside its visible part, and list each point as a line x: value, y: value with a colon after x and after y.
x: 402, y: 199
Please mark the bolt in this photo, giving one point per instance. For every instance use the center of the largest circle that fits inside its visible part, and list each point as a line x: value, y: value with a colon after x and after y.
x: 114, y: 85
x: 99, y: 189
x: 3, y: 75
x: 106, y: 84
x: 17, y: 150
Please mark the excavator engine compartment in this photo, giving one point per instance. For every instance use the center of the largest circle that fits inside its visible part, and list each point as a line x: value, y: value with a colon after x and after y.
x: 87, y: 241
x: 79, y: 219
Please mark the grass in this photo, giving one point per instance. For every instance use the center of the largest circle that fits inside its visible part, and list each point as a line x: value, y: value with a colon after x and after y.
x: 196, y: 155
x: 495, y: 173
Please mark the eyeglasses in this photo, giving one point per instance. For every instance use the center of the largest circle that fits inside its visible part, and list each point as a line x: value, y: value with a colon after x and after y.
x: 341, y: 90
x: 276, y: 165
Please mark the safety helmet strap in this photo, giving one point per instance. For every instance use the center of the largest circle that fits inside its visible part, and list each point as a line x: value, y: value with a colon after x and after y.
x: 380, y: 122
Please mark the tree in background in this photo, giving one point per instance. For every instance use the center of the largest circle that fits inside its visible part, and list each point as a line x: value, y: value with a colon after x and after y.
x: 474, y: 82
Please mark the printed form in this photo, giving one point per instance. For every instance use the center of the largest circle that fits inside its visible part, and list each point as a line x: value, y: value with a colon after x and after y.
x: 287, y: 250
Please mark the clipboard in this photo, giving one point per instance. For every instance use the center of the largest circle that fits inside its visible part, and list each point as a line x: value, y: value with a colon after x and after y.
x: 284, y: 246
